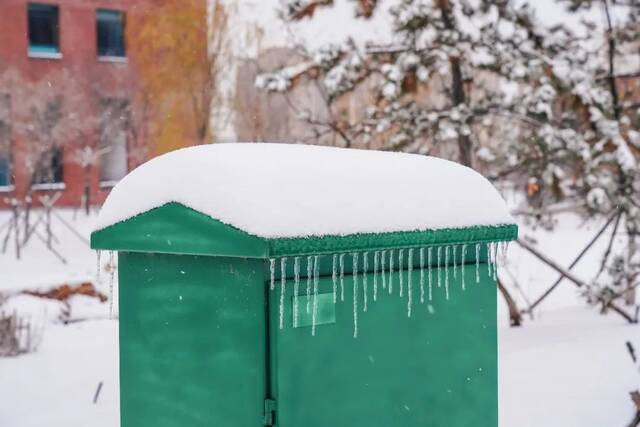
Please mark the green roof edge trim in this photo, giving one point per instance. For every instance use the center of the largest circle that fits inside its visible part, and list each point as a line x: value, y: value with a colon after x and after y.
x: 382, y: 241
x: 177, y: 229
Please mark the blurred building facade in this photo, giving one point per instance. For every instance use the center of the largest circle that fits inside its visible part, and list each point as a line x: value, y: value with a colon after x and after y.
x: 66, y: 107
x: 260, y: 43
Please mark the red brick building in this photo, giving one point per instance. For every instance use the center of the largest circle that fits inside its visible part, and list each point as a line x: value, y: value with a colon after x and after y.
x: 69, y: 124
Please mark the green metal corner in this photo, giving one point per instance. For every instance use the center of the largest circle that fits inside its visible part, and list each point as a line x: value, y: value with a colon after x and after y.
x: 176, y: 229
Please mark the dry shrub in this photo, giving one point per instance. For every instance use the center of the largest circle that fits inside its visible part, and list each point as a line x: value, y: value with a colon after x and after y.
x: 17, y: 335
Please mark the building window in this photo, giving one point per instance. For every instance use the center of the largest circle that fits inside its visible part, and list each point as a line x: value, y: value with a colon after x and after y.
x: 5, y: 142
x: 113, y: 140
x: 110, y: 33
x: 48, y: 173
x: 5, y: 171
x: 44, y: 30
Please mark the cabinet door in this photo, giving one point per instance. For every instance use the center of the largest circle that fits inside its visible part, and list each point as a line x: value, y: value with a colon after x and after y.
x: 435, y: 368
x: 191, y: 341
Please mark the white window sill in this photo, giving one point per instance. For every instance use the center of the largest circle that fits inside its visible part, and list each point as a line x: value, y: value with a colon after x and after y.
x: 116, y: 59
x: 7, y: 188
x: 49, y: 186
x: 44, y: 55
x: 108, y: 184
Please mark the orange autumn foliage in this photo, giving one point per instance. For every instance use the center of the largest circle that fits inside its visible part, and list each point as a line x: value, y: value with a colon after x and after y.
x: 168, y: 46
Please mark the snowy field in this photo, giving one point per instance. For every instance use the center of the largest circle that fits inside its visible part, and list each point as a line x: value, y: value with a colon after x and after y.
x: 566, y: 367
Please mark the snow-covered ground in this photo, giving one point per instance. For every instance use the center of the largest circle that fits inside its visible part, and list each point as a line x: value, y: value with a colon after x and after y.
x: 570, y: 368
x: 41, y: 268
x: 566, y: 367
x: 56, y: 385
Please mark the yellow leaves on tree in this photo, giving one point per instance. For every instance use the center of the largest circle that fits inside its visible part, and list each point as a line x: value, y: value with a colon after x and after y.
x: 168, y: 45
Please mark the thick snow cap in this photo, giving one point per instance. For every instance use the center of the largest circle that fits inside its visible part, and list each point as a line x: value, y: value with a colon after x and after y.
x: 285, y: 190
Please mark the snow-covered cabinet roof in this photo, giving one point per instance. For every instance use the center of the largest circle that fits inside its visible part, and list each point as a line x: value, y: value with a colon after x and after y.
x: 291, y: 191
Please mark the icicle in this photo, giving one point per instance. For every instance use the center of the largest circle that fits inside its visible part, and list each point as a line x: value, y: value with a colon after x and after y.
x: 309, y: 278
x: 112, y: 271
x: 496, y: 247
x: 504, y: 251
x: 365, y: 268
x: 453, y: 248
x: 439, y: 275
x: 384, y: 277
x: 98, y: 254
x: 376, y: 256
x: 421, y: 275
x: 296, y: 289
x: 400, y: 266
x: 462, y: 264
x: 489, y: 247
x: 341, y: 277
x: 355, y: 294
x: 495, y: 261
x: 430, y: 250
x: 316, y: 274
x: 334, y: 277
x: 390, y: 272
x: 409, y: 283
x: 283, y: 281
x: 272, y: 264
x: 446, y: 272
x: 477, y: 262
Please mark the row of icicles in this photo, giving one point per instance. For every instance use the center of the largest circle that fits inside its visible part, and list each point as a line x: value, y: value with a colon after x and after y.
x: 383, y: 269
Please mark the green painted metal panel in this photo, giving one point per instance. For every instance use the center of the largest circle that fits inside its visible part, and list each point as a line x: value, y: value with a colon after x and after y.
x: 192, y: 341
x: 437, y: 368
x: 174, y: 228
x: 325, y: 311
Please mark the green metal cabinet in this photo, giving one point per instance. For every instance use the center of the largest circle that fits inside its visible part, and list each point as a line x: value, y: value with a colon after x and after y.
x: 201, y: 342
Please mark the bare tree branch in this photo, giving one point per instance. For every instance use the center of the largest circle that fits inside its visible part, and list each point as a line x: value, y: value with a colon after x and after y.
x: 573, y: 263
x: 573, y: 279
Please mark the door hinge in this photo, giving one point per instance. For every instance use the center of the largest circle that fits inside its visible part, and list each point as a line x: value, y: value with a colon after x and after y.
x: 269, y: 418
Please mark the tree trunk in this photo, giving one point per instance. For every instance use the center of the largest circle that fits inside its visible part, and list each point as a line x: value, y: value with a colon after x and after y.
x: 458, y: 95
x: 87, y: 190
x: 515, y: 318
x: 630, y: 291
x: 635, y: 397
x: 27, y: 219
x: 47, y: 215
x: 611, y: 54
x: 16, y: 224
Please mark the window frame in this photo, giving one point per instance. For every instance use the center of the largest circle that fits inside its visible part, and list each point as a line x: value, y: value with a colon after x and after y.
x: 110, y: 53
x: 43, y: 50
x: 56, y: 171
x: 5, y: 121
x: 109, y: 106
